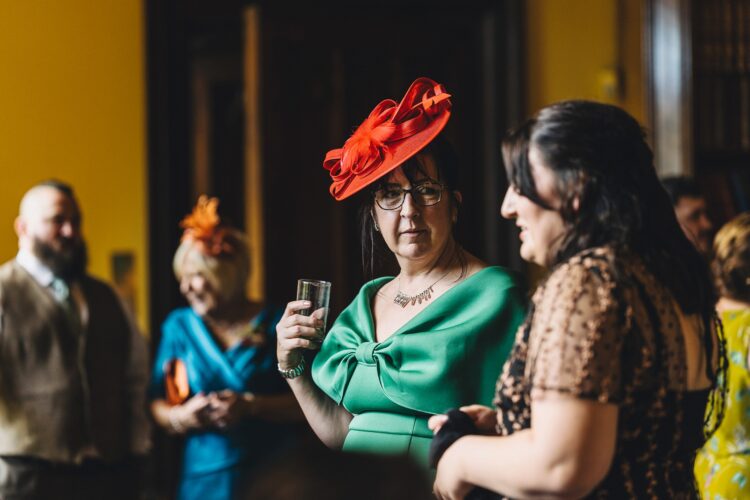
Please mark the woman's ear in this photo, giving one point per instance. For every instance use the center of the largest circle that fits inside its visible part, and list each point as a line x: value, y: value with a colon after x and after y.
x: 374, y: 221
x: 458, y: 199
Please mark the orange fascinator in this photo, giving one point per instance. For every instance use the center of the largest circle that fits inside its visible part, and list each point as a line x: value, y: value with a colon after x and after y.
x: 392, y: 134
x: 203, y: 226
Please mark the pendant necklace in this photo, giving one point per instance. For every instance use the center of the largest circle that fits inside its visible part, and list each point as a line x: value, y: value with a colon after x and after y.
x: 404, y: 300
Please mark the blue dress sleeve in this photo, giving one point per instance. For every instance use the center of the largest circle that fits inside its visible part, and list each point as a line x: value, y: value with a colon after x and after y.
x: 267, y: 380
x: 169, y: 348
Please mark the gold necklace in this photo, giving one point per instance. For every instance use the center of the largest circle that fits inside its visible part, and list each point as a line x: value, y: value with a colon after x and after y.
x: 404, y: 300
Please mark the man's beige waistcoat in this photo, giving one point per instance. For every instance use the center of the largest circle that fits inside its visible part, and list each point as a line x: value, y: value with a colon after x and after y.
x: 61, y: 391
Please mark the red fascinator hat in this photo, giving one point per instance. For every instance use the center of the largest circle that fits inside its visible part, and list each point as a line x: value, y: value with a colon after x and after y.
x: 203, y: 226
x: 392, y: 134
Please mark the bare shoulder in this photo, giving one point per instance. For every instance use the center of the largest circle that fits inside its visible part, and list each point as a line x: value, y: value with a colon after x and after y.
x: 473, y: 264
x: 388, y: 289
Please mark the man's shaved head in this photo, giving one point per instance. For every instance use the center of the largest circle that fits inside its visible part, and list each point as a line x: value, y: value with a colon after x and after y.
x: 49, y: 226
x: 33, y: 196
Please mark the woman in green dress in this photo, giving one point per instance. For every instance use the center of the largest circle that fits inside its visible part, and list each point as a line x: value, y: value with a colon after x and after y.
x: 722, y: 468
x: 431, y: 338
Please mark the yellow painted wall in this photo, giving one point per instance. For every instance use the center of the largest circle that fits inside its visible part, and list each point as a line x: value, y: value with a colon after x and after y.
x: 579, y: 49
x: 574, y: 51
x: 72, y: 102
x: 72, y: 106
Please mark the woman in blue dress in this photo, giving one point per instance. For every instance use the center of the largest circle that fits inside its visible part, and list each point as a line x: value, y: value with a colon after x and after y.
x: 214, y: 379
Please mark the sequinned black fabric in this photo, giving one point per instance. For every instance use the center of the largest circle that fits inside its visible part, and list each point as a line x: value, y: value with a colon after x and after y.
x: 603, y: 329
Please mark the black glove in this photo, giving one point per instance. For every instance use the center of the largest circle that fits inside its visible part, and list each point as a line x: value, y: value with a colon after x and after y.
x: 458, y: 425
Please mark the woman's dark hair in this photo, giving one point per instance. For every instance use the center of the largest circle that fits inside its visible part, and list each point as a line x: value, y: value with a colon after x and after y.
x: 610, y: 195
x: 374, y: 250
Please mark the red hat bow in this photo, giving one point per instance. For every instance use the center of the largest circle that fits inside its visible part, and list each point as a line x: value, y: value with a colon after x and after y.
x: 390, y: 135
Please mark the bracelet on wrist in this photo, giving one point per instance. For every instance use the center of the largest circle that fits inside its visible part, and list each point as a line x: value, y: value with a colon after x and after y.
x: 293, y: 372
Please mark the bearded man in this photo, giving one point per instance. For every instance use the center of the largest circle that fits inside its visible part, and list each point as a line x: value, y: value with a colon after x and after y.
x: 73, y: 367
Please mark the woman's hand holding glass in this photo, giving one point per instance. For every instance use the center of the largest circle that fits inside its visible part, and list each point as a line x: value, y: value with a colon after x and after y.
x: 295, y: 332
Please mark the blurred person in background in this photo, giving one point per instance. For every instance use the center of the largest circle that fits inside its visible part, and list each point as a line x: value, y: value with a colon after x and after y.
x: 73, y: 366
x: 691, y: 211
x: 722, y: 468
x: 214, y: 379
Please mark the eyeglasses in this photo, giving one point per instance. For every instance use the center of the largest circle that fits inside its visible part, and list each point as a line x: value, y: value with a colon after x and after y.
x: 425, y: 194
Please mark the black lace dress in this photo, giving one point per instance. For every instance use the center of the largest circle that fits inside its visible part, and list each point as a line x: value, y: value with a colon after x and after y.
x: 604, y: 329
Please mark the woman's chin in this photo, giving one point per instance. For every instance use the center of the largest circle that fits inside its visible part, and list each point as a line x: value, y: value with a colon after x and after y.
x: 200, y: 308
x: 526, y: 252
x: 416, y: 250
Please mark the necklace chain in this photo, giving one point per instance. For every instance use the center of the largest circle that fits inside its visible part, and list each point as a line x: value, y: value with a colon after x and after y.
x: 404, y: 300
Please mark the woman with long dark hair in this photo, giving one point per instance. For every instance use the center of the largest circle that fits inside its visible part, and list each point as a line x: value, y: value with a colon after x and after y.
x: 605, y: 392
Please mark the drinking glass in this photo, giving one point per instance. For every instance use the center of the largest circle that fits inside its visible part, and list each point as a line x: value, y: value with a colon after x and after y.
x: 318, y: 292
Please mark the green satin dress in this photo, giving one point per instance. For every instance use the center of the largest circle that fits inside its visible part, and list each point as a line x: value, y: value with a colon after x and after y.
x: 448, y: 355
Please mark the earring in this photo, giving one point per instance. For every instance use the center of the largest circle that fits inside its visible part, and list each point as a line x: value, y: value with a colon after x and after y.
x: 374, y: 222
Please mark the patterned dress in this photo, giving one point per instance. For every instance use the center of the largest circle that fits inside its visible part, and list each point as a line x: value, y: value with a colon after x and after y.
x: 603, y: 329
x: 723, y: 465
